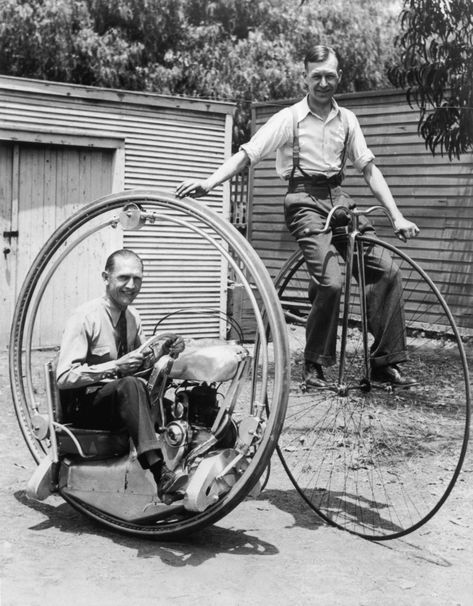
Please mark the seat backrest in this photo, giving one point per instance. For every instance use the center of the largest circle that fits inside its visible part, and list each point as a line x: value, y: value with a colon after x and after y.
x: 50, y: 377
x: 94, y: 443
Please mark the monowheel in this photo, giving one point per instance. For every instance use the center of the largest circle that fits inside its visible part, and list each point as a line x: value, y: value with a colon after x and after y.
x: 227, y: 448
x: 371, y: 459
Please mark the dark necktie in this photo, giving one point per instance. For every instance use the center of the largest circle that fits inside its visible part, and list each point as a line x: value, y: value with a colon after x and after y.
x: 122, y: 348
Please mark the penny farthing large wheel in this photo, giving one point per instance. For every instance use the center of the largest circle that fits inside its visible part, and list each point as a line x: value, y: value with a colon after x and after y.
x: 376, y: 461
x: 268, y: 380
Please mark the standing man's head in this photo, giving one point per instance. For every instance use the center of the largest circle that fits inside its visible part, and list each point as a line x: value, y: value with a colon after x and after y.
x: 322, y: 75
x: 123, y: 275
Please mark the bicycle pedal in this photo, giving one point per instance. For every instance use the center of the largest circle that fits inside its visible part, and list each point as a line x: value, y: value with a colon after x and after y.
x: 388, y: 387
x: 314, y: 388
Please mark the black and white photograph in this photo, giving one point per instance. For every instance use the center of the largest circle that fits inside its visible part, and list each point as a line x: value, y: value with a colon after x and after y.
x: 236, y: 328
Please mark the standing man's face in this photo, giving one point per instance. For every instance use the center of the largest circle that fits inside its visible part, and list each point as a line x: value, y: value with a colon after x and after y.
x: 123, y: 283
x: 322, y: 80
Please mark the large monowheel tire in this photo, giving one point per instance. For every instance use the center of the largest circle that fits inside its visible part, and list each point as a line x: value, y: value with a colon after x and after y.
x: 260, y: 280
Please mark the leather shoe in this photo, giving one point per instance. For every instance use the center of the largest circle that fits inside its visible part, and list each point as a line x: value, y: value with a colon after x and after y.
x: 313, y: 375
x: 391, y: 374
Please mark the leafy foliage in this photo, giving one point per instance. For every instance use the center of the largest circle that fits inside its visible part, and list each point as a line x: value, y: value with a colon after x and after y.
x: 436, y: 68
x: 238, y: 50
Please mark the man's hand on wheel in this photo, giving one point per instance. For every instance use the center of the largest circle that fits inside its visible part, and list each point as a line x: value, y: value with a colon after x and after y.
x: 193, y: 189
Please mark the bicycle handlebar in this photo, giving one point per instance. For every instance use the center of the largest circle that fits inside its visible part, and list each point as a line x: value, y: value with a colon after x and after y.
x: 354, y: 212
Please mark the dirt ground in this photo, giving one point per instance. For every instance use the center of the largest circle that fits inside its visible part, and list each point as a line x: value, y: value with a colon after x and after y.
x: 272, y: 550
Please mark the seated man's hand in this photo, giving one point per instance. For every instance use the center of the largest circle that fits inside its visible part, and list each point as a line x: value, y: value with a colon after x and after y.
x: 149, y: 356
x: 173, y: 346
x: 130, y: 363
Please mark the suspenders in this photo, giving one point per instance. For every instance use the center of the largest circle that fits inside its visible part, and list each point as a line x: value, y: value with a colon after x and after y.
x: 296, y: 149
x: 296, y: 146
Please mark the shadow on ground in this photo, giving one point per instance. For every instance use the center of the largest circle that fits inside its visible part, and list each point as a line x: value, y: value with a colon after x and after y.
x: 193, y: 550
x: 289, y: 501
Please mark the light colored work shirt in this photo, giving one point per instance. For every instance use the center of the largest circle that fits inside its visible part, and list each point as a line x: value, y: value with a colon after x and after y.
x: 89, y: 343
x: 321, y: 141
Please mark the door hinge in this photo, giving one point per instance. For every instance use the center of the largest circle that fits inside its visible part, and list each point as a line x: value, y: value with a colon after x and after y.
x: 10, y: 234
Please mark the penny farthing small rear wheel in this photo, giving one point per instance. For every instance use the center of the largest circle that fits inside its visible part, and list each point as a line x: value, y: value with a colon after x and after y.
x: 378, y: 462
x: 268, y: 378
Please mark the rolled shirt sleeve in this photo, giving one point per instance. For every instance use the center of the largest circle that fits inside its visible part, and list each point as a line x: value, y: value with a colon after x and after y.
x: 275, y: 133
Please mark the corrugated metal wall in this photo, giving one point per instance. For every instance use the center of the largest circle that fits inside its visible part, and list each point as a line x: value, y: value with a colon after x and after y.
x: 165, y: 140
x: 432, y: 191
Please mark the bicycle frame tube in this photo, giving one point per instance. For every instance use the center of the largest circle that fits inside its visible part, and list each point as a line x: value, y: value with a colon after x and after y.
x: 363, y: 309
x: 346, y: 308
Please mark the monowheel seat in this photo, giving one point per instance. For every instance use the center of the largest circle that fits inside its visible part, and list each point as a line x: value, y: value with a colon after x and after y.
x: 95, y: 443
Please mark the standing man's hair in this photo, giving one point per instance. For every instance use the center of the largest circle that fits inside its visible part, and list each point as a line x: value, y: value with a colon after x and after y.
x: 319, y: 53
x: 123, y: 253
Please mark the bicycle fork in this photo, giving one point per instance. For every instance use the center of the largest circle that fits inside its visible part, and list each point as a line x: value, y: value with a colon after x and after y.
x: 354, y: 243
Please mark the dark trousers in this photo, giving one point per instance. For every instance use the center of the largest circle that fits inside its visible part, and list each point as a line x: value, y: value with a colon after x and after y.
x: 120, y: 405
x: 306, y: 207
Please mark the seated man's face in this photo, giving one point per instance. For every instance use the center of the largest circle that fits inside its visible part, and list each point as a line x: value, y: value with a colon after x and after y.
x: 123, y: 283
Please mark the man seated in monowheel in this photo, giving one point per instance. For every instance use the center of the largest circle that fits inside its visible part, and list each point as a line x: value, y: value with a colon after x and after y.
x: 99, y: 354
x: 114, y: 386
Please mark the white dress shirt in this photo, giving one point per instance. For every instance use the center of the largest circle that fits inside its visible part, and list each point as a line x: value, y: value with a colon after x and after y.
x: 321, y: 141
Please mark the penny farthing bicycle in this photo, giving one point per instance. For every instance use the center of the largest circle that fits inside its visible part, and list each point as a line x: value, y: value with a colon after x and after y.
x: 212, y: 420
x: 375, y: 460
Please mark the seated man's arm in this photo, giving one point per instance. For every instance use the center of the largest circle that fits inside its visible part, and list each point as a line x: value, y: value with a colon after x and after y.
x: 73, y: 369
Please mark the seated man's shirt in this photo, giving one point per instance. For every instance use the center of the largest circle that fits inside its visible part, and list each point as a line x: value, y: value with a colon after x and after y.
x: 89, y: 343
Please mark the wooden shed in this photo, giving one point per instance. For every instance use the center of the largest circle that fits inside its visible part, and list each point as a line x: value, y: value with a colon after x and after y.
x: 62, y: 146
x: 434, y: 192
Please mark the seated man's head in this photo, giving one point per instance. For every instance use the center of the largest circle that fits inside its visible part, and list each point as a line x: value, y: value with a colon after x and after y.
x: 123, y: 276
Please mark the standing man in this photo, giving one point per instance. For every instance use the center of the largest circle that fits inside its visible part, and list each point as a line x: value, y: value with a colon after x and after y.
x: 98, y: 356
x: 313, y: 138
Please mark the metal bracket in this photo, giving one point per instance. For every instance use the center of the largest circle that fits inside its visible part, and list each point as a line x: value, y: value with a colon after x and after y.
x: 132, y: 217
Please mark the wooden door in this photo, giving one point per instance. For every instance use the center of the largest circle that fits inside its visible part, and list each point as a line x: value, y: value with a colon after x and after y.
x: 40, y: 186
x: 8, y: 244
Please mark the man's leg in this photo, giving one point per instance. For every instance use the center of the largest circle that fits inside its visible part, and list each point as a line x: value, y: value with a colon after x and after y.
x: 307, y: 212
x: 124, y: 404
x: 385, y: 312
x: 385, y: 308
x: 324, y: 294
